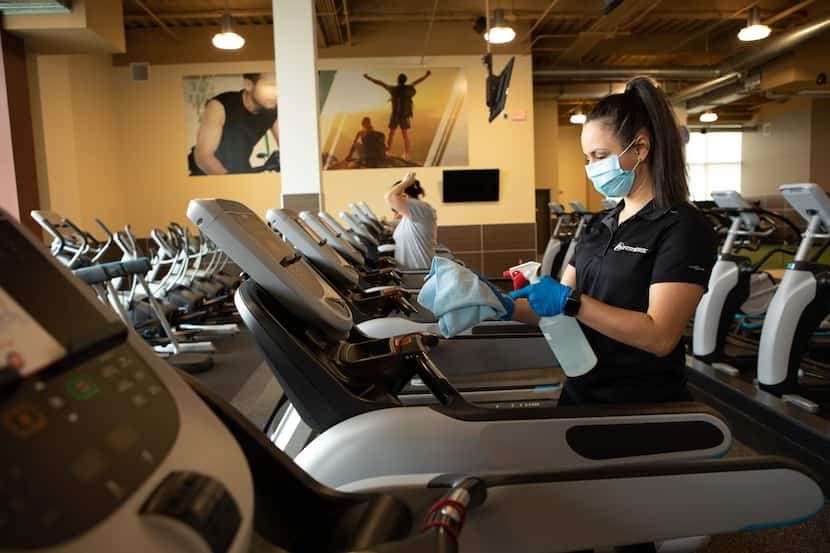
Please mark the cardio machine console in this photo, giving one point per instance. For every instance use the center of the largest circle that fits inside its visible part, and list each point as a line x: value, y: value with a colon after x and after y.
x: 272, y: 263
x: 731, y: 199
x: 332, y: 236
x: 84, y: 421
x: 808, y: 199
x: 556, y: 208
x: 288, y: 223
x: 578, y: 207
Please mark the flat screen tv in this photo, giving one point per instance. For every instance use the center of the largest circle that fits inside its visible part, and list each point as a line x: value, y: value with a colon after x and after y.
x: 471, y: 185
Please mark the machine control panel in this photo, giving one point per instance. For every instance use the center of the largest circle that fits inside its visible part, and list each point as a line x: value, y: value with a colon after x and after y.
x: 76, y: 443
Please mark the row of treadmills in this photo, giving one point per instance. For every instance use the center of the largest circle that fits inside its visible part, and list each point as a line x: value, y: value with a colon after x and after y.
x: 420, y: 443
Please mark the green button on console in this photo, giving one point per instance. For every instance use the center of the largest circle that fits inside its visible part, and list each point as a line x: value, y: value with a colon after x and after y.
x: 81, y: 387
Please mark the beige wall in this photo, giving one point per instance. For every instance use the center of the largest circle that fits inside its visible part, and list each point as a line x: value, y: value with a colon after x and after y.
x: 115, y: 148
x: 779, y: 152
x: 546, y: 135
x: 820, y: 143
x: 80, y: 159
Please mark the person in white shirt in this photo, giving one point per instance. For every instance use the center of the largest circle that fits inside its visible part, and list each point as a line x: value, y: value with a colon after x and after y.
x: 416, y: 232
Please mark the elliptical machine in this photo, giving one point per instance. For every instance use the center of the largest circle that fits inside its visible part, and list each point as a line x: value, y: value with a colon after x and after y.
x: 736, y: 286
x: 800, y: 304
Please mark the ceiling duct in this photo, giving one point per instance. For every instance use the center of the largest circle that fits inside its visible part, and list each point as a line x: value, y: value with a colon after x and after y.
x: 622, y: 73
x: 727, y: 73
x: 726, y: 127
x: 730, y: 71
x: 35, y: 7
x: 726, y: 95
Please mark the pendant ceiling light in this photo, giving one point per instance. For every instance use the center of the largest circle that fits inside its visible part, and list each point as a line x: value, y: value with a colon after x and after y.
x: 754, y: 30
x: 227, y: 38
x: 578, y: 118
x: 500, y: 32
x: 708, y: 117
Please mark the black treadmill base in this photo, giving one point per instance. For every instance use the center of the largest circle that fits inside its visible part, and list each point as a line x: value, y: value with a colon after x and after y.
x: 763, y: 421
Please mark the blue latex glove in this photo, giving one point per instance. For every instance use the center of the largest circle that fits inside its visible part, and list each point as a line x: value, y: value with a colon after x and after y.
x: 505, y: 301
x: 546, y: 297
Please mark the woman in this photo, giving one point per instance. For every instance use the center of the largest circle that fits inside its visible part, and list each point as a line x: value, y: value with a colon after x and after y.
x: 416, y: 232
x: 640, y: 269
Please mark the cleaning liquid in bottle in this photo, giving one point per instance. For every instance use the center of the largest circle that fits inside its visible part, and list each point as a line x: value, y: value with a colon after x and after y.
x: 569, y: 345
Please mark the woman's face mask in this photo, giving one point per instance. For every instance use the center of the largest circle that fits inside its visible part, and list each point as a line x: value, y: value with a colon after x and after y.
x: 609, y: 178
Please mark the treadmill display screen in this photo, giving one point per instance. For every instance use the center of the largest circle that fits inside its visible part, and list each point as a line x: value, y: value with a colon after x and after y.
x: 29, y: 280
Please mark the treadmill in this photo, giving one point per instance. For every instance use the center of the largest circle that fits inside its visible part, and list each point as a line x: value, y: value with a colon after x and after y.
x: 504, y: 369
x: 352, y: 391
x: 92, y: 464
x: 389, y: 275
x: 377, y: 319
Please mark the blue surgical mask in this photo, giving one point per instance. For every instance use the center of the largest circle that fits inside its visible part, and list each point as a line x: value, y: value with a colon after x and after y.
x: 609, y: 178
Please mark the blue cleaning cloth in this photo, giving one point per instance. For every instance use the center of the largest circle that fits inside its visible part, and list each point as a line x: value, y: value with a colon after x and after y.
x: 458, y: 297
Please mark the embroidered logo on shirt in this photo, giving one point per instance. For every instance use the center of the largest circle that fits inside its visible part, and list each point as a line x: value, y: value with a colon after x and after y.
x: 633, y: 249
x: 696, y: 268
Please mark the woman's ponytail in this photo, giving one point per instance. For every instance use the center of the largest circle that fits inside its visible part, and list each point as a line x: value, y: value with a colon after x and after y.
x: 668, y: 163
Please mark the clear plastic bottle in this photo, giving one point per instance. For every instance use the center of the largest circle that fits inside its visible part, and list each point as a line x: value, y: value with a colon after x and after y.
x: 569, y: 344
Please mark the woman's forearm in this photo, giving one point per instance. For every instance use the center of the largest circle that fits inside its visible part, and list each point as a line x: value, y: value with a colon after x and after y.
x: 630, y: 327
x: 624, y: 325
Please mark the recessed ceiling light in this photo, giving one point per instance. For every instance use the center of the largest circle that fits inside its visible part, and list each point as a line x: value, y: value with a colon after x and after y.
x: 708, y: 117
x: 578, y: 118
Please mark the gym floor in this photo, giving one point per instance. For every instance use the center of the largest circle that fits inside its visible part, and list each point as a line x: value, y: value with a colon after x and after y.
x: 241, y: 376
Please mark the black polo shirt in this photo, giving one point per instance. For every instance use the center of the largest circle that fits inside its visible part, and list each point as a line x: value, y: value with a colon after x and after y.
x: 616, y: 264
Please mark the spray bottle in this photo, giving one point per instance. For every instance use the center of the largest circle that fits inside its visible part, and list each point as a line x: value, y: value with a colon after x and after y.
x: 563, y: 333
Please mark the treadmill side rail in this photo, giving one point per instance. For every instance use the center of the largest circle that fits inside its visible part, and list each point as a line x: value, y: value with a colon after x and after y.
x: 419, y: 440
x: 607, y: 511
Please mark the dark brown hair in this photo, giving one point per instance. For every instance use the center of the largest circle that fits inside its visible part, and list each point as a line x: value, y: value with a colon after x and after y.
x: 644, y: 106
x: 414, y: 190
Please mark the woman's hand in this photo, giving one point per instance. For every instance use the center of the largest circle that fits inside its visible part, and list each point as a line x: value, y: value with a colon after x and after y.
x: 546, y: 297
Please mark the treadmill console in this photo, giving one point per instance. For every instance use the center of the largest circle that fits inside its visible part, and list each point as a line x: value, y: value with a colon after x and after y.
x: 556, y: 208
x: 358, y: 228
x: 579, y: 208
x: 730, y: 199
x: 77, y: 443
x: 808, y: 199
x: 287, y: 223
x: 368, y: 211
x: 84, y: 419
x: 350, y: 236
x: 272, y: 263
x: 333, y: 237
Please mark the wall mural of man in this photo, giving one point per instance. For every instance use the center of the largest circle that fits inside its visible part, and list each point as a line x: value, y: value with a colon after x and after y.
x: 232, y: 124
